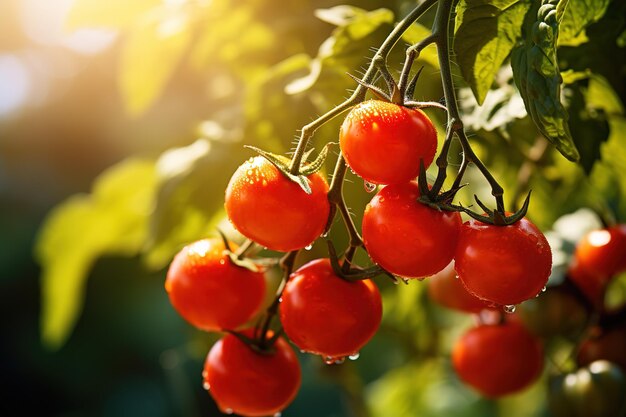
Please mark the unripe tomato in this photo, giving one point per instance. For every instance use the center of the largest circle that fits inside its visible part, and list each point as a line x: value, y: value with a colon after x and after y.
x: 607, y: 344
x: 383, y: 142
x: 406, y: 237
x: 327, y: 315
x: 498, y: 359
x: 249, y: 383
x: 597, y: 390
x: 503, y: 264
x: 211, y: 292
x: 446, y: 289
x: 602, y: 253
x: 270, y: 209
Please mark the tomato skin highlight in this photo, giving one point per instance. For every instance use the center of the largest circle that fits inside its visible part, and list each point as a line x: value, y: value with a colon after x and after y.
x: 498, y: 359
x: 249, y: 383
x: 268, y: 208
x: 327, y: 315
x: 406, y: 237
x: 211, y: 292
x: 383, y: 142
x: 503, y: 264
x: 445, y: 289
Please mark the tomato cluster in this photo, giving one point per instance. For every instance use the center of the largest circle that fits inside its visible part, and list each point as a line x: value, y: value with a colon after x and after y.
x: 329, y: 306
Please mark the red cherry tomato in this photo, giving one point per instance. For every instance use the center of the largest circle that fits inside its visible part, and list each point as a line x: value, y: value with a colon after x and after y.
x: 498, y: 359
x: 327, y: 315
x: 249, y: 383
x: 268, y: 208
x: 591, y: 285
x: 384, y: 142
x: 503, y: 264
x: 601, y: 254
x: 211, y: 292
x: 406, y: 237
x: 446, y: 289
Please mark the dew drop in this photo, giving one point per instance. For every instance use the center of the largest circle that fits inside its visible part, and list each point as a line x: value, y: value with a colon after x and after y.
x: 279, y: 414
x: 280, y: 300
x: 222, y: 261
x: 308, y: 247
x: 302, y: 351
x: 206, y: 386
x: 544, y: 289
x: 329, y: 361
x: 229, y: 411
x: 354, y: 356
x: 509, y: 309
x: 339, y: 361
x: 249, y: 172
x: 369, y: 187
x: 324, y: 235
x: 456, y: 276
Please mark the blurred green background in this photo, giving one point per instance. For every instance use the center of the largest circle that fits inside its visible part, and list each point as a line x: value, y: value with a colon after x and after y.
x: 161, y: 96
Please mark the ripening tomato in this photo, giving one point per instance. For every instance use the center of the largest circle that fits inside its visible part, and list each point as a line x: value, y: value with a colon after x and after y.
x: 446, y: 289
x: 596, y: 390
x: 327, y: 315
x: 608, y: 344
x: 602, y: 253
x: 498, y: 359
x: 503, y: 264
x: 211, y: 292
x: 268, y: 208
x: 249, y: 383
x: 383, y: 142
x: 406, y: 237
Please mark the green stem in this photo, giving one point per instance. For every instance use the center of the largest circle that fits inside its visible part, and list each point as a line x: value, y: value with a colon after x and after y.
x: 359, y: 93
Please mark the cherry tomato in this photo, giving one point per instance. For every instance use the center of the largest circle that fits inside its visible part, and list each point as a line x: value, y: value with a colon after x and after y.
x: 327, y: 315
x: 503, y: 264
x: 250, y: 383
x: 608, y: 344
x: 268, y: 208
x: 592, y: 286
x: 211, y: 292
x: 596, y: 390
x: 498, y: 359
x: 383, y: 142
x: 406, y: 237
x: 446, y: 289
x: 602, y: 253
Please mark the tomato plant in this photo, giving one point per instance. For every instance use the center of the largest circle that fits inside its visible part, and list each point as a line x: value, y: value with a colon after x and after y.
x: 503, y: 264
x: 446, y: 289
x: 384, y: 142
x: 498, y: 359
x: 326, y: 315
x: 406, y: 237
x: 209, y: 291
x: 255, y: 204
x: 251, y: 383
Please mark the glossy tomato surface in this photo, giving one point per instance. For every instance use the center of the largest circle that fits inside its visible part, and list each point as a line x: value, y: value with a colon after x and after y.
x: 268, y: 208
x: 446, y: 289
x: 383, y: 142
x: 602, y: 253
x: 248, y: 383
x: 498, y: 359
x: 503, y: 264
x: 327, y: 315
x: 211, y: 292
x: 406, y: 237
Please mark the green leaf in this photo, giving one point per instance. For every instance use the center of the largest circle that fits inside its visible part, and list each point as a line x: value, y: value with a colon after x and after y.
x: 189, y: 197
x: 112, y: 13
x: 150, y: 55
x: 578, y: 14
x: 486, y: 32
x: 112, y: 220
x: 537, y: 76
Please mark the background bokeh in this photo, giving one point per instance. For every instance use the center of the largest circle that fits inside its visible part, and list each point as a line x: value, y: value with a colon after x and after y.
x: 120, y: 124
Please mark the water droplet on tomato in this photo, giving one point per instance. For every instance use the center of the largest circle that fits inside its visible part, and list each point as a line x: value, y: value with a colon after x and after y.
x: 206, y: 386
x: 228, y: 411
x: 329, y: 361
x: 324, y: 235
x: 308, y: 247
x: 354, y: 356
x: 279, y: 414
x: 339, y: 361
x: 280, y: 300
x: 544, y: 289
x: 509, y: 309
x: 369, y: 187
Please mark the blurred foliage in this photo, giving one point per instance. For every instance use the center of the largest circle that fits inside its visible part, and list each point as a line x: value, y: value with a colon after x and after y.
x: 260, y: 70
